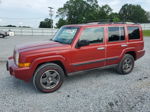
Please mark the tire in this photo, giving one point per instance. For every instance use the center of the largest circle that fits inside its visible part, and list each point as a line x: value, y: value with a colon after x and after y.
x: 48, y: 77
x: 126, y: 65
x: 2, y: 36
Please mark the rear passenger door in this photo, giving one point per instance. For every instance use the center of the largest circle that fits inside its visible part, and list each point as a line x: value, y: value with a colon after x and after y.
x: 116, y: 43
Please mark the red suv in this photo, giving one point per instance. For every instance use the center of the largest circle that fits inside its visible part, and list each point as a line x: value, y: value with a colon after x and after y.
x: 76, y: 48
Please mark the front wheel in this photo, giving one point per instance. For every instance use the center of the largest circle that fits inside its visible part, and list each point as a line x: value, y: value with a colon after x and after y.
x: 126, y: 65
x: 48, y: 77
x: 2, y: 36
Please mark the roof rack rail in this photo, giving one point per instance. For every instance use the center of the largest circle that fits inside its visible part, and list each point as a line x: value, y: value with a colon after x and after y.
x: 116, y: 23
x: 93, y: 23
x: 109, y: 21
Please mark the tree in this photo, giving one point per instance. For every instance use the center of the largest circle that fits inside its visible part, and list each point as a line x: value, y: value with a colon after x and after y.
x: 115, y: 17
x: 61, y: 22
x: 105, y: 12
x: 82, y: 11
x: 133, y: 13
x: 78, y: 11
x: 10, y: 26
x: 47, y: 23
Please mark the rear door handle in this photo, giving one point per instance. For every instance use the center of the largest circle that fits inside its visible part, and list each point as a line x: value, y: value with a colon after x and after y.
x: 124, y: 45
x: 100, y: 48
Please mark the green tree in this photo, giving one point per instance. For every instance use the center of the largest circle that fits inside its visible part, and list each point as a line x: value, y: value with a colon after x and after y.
x: 101, y: 13
x: 61, y: 22
x: 133, y: 13
x: 105, y: 12
x: 78, y: 11
x: 10, y: 26
x: 47, y: 23
x: 115, y: 17
x: 82, y: 11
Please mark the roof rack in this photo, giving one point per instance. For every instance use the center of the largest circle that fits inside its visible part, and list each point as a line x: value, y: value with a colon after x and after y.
x: 111, y: 23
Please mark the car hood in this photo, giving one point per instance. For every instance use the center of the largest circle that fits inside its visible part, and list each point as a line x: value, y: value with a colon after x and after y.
x: 41, y: 46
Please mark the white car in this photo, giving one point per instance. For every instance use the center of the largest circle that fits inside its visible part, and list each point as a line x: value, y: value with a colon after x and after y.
x: 3, y: 34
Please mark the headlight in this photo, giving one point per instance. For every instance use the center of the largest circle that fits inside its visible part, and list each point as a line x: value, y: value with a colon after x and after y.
x: 16, y: 57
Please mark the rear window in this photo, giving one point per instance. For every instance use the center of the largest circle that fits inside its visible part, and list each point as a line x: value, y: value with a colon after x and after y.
x: 116, y: 34
x: 133, y: 32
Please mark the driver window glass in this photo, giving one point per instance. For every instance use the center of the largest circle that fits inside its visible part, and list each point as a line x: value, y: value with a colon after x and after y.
x: 93, y: 35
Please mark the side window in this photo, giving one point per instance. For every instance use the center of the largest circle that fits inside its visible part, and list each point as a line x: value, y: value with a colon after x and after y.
x: 116, y: 34
x: 133, y: 32
x: 93, y: 35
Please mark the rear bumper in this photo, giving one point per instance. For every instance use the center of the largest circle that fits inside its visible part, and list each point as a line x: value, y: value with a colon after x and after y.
x: 20, y: 73
x: 140, y: 54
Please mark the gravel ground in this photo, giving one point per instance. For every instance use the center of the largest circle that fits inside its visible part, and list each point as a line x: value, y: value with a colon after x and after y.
x: 7, y: 44
x: 101, y: 90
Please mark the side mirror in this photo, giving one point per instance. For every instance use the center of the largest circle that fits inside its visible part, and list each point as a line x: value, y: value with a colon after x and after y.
x: 83, y: 43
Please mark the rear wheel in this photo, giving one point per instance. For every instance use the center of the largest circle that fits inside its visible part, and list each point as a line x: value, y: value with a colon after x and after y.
x: 48, y: 77
x: 126, y: 65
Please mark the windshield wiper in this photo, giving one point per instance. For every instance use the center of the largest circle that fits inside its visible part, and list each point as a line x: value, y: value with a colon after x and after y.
x: 59, y: 41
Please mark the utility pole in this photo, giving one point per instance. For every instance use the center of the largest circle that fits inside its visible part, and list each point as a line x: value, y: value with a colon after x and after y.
x: 51, y: 15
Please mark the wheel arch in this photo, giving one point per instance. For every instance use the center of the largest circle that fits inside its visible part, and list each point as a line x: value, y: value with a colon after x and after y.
x: 133, y: 53
x: 59, y: 60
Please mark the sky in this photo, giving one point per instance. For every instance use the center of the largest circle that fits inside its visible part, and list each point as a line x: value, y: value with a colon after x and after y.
x: 31, y: 12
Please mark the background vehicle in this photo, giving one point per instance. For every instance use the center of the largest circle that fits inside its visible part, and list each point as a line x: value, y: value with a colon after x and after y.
x: 76, y: 48
x: 3, y: 34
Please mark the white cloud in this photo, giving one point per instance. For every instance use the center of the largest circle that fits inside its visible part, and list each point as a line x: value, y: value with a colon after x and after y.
x: 39, y: 8
x: 35, y: 5
x: 20, y: 23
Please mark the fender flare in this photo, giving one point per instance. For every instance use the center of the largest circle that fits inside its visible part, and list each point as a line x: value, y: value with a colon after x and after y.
x: 127, y: 50
x: 46, y: 59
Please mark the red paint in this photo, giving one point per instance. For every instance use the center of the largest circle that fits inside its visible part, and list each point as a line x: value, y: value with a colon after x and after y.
x: 70, y: 56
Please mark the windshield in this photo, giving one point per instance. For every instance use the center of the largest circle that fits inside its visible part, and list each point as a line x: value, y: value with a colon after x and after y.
x: 65, y: 35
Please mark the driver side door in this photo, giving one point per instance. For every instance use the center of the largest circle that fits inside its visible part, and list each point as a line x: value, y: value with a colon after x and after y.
x: 92, y: 55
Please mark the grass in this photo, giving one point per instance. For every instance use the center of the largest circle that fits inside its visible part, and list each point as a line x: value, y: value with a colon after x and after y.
x: 146, y: 33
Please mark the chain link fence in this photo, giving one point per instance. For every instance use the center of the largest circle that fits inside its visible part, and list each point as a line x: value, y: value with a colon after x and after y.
x: 29, y: 31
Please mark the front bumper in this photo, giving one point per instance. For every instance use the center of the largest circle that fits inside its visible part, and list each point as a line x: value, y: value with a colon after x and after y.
x: 20, y: 73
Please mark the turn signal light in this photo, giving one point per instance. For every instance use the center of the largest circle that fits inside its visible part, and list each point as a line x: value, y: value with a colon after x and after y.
x: 24, y: 65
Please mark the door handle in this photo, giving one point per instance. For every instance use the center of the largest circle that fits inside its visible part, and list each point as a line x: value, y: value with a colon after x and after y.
x: 100, y: 48
x: 124, y: 45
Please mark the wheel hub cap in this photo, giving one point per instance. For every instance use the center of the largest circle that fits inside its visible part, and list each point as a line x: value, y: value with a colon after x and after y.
x: 50, y: 79
x: 127, y: 64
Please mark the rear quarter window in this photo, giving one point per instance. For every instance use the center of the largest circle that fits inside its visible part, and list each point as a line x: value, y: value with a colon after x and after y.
x: 133, y: 32
x: 116, y: 34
